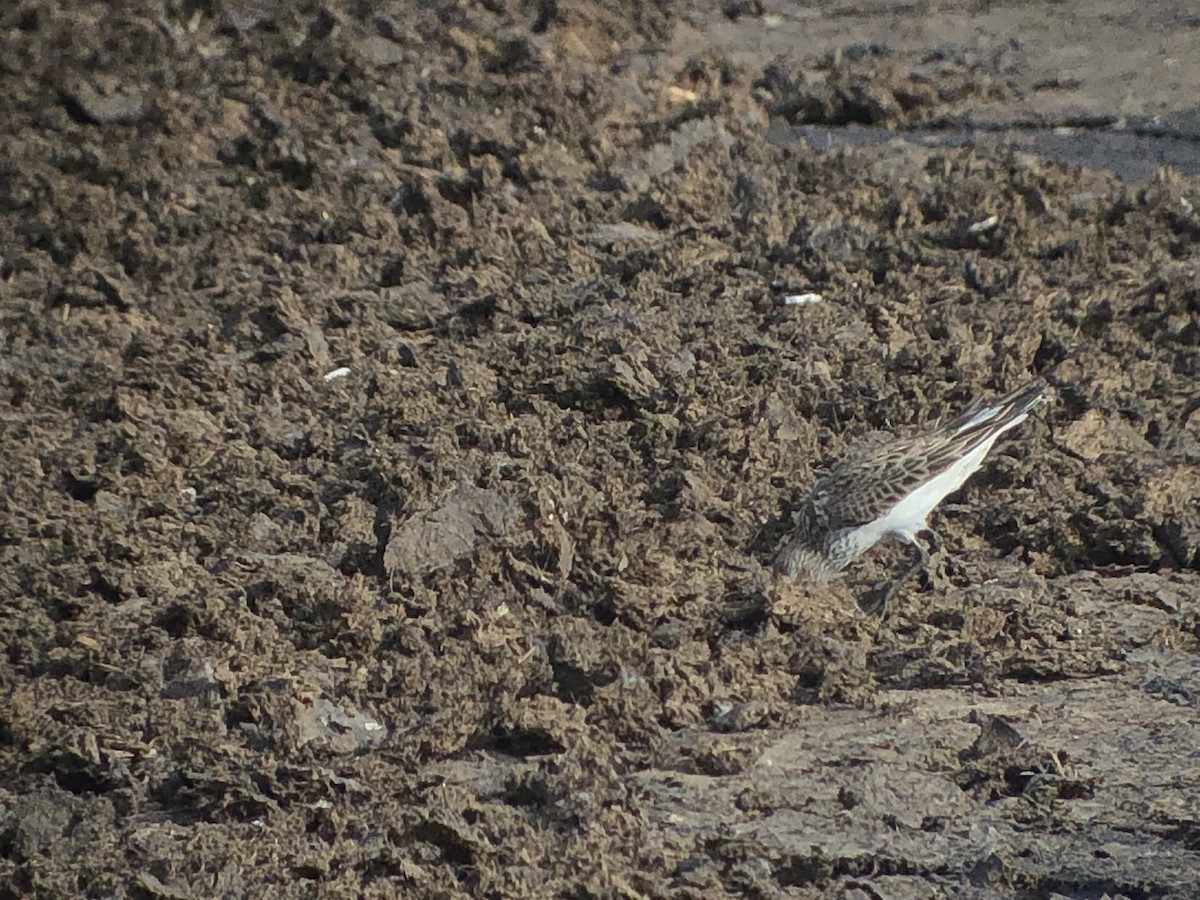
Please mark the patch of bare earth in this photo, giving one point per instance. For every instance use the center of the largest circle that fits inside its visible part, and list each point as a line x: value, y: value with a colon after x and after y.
x: 490, y: 613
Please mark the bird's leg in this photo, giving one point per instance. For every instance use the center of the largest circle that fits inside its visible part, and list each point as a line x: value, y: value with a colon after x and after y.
x: 878, y: 607
x: 922, y: 562
x: 935, y: 540
x: 935, y: 543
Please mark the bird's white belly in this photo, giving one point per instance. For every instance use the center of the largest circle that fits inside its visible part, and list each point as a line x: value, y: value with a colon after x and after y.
x: 908, y: 517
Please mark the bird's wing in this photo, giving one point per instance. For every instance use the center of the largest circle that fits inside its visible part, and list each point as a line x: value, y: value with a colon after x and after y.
x: 867, y: 486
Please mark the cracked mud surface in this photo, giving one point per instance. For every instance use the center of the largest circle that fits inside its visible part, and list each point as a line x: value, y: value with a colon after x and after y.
x: 490, y: 613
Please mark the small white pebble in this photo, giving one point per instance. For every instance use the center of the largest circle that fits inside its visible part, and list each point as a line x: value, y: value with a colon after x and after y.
x: 336, y: 374
x: 801, y: 299
x: 986, y: 225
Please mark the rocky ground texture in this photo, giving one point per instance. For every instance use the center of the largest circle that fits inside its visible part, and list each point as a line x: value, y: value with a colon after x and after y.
x: 400, y: 406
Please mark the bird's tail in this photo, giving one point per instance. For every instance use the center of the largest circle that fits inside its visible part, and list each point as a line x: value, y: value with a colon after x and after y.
x: 1001, y: 414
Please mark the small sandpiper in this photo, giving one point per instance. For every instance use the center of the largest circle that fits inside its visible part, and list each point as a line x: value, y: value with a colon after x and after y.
x: 892, y: 488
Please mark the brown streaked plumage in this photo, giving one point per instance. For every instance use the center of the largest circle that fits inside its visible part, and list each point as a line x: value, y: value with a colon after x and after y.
x: 891, y: 488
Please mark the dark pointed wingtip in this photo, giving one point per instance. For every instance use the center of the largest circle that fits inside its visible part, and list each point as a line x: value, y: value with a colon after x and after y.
x: 1026, y: 397
x: 1023, y: 399
x: 984, y: 415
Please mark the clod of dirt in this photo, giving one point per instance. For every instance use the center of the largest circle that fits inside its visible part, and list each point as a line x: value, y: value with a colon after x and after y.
x: 440, y: 537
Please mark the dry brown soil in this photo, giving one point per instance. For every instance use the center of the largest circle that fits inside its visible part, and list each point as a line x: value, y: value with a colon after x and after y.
x: 490, y: 613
